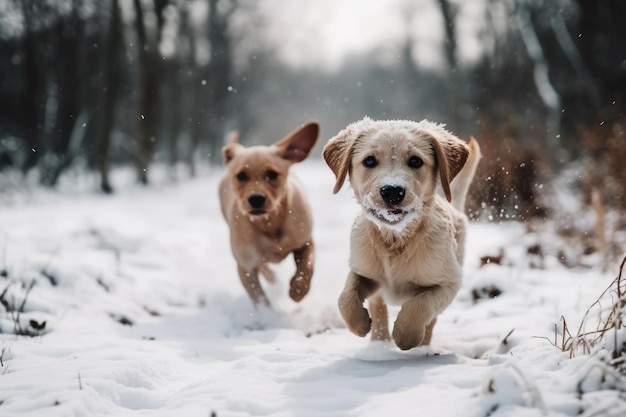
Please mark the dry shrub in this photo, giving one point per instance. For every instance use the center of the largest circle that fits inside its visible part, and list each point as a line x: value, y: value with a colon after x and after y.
x: 603, y: 185
x: 605, y: 148
x: 509, y: 180
x: 609, y: 322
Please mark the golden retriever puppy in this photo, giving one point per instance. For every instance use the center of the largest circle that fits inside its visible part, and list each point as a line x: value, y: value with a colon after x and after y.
x: 267, y: 212
x: 407, y: 244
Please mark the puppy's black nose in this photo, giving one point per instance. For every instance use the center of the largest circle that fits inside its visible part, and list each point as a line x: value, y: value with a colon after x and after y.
x: 392, y: 194
x: 256, y: 201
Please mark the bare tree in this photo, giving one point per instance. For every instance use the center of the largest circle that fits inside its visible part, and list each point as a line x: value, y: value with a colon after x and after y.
x: 147, y: 111
x: 33, y: 98
x: 110, y: 93
x: 545, y: 89
x: 451, y: 57
x: 563, y: 37
x: 211, y: 104
x: 68, y: 30
x: 221, y: 67
x: 175, y: 68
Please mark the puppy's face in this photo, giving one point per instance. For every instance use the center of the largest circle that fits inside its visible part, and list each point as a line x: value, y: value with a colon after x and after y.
x: 258, y: 175
x: 393, y: 173
x: 394, y: 166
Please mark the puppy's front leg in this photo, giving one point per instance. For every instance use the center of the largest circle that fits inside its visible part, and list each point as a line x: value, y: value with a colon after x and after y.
x: 351, y: 300
x: 301, y: 281
x: 410, y: 329
x: 250, y: 281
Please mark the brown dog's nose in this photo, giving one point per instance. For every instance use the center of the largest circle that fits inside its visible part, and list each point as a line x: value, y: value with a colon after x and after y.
x: 256, y: 201
x: 392, y: 194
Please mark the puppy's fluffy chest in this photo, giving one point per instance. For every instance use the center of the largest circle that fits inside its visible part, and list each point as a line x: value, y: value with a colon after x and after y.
x: 425, y: 259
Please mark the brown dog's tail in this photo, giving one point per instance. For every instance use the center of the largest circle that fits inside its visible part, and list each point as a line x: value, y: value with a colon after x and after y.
x: 461, y: 183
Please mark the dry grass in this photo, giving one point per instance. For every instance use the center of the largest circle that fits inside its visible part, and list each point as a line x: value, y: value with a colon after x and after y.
x: 605, y: 149
x: 14, y: 308
x: 609, y: 322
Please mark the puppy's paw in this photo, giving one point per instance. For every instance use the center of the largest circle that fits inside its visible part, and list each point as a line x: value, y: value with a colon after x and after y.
x: 408, y: 338
x: 357, y: 318
x: 359, y: 324
x: 299, y: 287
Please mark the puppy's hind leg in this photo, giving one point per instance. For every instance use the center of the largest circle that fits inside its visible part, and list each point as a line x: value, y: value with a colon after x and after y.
x: 429, y: 332
x: 351, y: 300
x: 380, y: 319
x: 250, y: 281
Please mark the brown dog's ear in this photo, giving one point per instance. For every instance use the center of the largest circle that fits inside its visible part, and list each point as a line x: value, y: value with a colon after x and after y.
x: 229, y: 151
x: 337, y: 154
x: 297, y: 145
x: 451, y: 153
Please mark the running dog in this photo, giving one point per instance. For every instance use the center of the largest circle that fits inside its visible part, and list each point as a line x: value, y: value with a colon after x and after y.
x: 407, y: 245
x: 266, y: 210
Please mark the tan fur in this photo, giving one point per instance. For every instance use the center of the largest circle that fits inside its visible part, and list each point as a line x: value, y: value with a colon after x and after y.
x: 267, y: 212
x: 408, y: 253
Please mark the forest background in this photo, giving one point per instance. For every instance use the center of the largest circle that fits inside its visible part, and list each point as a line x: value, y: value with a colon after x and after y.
x: 87, y: 85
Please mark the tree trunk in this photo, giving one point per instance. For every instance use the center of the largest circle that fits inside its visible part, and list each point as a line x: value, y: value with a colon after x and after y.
x: 59, y: 156
x: 33, y: 104
x: 110, y: 93
x: 451, y: 57
x: 220, y: 68
x: 147, y: 111
x: 547, y: 93
x: 175, y: 104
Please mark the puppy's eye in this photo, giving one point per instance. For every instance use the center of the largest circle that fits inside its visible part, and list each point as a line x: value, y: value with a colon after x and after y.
x: 242, y: 176
x: 370, y: 162
x: 271, y: 175
x: 415, y: 162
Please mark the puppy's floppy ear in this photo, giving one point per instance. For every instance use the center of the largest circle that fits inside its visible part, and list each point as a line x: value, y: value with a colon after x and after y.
x: 297, y: 145
x: 338, y: 151
x: 451, y: 153
x: 337, y: 154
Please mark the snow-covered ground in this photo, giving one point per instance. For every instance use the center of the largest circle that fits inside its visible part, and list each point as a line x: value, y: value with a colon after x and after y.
x: 145, y: 315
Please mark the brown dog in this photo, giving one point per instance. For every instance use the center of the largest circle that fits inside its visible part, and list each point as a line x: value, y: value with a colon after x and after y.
x: 266, y: 210
x: 407, y: 244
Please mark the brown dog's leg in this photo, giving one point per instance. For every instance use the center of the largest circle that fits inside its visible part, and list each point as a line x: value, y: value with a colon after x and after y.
x: 250, y: 281
x: 301, y: 281
x: 380, y: 320
x: 351, y: 300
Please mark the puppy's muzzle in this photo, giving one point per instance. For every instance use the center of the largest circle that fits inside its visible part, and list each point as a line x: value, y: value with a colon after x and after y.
x: 257, y: 203
x: 392, y: 194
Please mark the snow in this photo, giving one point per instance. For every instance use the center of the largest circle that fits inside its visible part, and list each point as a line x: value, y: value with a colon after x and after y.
x: 145, y: 315
x: 383, y: 218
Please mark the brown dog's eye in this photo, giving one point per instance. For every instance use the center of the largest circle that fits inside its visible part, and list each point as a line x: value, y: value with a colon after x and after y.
x: 415, y: 162
x: 242, y: 176
x: 271, y: 175
x: 370, y: 162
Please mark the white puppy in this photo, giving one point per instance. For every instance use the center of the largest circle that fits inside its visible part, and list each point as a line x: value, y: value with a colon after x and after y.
x: 407, y: 245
